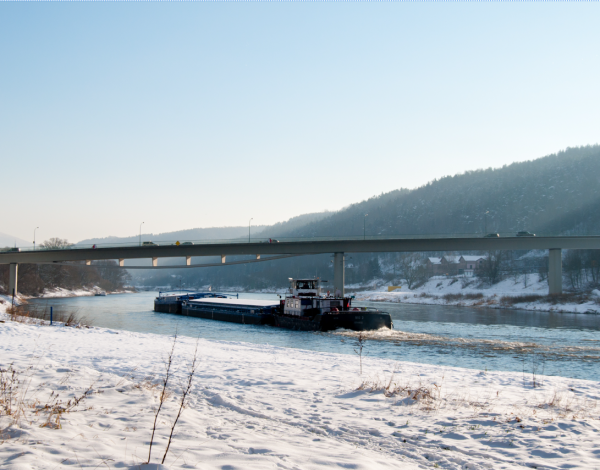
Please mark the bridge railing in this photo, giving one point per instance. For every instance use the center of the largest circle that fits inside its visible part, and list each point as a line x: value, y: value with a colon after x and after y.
x: 148, y: 244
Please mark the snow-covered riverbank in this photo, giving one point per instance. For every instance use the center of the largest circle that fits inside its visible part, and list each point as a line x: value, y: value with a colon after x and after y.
x: 60, y: 292
x: 526, y: 295
x: 525, y: 292
x: 259, y: 406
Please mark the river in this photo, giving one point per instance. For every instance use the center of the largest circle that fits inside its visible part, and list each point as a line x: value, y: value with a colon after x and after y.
x: 566, y: 345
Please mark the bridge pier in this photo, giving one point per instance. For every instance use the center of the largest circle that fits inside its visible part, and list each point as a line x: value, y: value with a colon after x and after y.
x: 338, y: 273
x: 555, y: 271
x: 13, y: 279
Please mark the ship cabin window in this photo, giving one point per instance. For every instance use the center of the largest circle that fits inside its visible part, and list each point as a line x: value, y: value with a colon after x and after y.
x: 305, y: 284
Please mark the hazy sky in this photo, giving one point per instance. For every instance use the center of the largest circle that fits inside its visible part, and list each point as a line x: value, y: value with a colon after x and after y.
x: 189, y: 115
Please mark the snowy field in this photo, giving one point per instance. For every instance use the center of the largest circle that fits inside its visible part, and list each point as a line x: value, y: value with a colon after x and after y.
x: 261, y: 407
x: 434, y: 290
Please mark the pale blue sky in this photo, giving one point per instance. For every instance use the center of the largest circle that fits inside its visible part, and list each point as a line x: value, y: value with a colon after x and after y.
x: 206, y: 114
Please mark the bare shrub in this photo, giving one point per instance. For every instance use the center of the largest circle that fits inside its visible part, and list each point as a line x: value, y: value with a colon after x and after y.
x: 163, y: 394
x: 183, y: 398
x: 519, y: 299
x: 425, y: 394
x: 569, y: 297
x: 564, y: 404
x: 453, y: 297
x: 554, y: 299
x: 474, y: 296
x: 360, y: 343
x: 166, y: 393
x: 18, y: 402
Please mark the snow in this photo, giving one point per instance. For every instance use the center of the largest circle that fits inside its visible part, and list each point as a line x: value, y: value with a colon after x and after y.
x: 259, y: 407
x: 471, y: 258
x: 60, y: 292
x: 434, y: 290
x: 6, y: 302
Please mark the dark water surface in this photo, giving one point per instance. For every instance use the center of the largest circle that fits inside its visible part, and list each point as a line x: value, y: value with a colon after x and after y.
x: 478, y: 338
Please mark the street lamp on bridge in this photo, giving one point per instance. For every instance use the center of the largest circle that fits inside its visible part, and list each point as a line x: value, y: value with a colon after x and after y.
x: 249, y: 228
x: 141, y: 233
x: 365, y: 227
x: 34, y: 237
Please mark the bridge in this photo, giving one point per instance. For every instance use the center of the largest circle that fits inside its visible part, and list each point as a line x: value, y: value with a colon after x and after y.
x: 292, y: 247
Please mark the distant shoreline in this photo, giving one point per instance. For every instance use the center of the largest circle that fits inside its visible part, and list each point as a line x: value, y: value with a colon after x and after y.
x: 60, y: 293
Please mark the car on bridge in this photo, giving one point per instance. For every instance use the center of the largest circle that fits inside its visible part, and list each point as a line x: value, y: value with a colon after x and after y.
x: 492, y: 235
x: 149, y: 244
x: 525, y: 234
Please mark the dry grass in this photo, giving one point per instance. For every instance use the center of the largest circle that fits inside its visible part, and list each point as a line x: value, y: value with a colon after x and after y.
x: 519, y: 299
x: 434, y: 397
x: 564, y: 404
x: 34, y: 314
x: 427, y: 396
x: 460, y: 296
x: 19, y: 402
x: 554, y: 299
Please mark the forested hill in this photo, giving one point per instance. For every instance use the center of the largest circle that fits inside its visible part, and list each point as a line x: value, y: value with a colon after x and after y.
x: 211, y: 233
x: 215, y: 233
x: 551, y: 195
x: 559, y: 193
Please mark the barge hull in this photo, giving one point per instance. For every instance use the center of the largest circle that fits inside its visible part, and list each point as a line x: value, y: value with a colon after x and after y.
x: 298, y: 323
x: 357, y: 321
x: 167, y: 307
x: 232, y: 317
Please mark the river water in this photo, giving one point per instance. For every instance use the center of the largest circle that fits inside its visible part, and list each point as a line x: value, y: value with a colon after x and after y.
x: 477, y: 338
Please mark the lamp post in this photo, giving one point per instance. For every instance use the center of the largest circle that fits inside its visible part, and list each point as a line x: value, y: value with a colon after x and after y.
x: 34, y: 237
x: 141, y: 233
x: 249, y: 228
x: 486, y: 213
x: 365, y: 227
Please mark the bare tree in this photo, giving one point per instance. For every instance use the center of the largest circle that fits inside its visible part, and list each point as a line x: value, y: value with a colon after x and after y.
x: 573, y: 267
x: 411, y: 268
x: 55, y: 244
x: 489, y: 270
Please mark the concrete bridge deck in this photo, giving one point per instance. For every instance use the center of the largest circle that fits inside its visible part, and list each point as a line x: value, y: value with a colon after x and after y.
x: 309, y: 246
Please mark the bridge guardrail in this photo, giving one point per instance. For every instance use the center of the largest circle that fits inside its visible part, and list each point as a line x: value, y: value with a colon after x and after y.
x: 279, y: 240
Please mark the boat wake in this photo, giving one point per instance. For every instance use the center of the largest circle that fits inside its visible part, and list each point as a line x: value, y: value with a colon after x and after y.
x: 490, y: 345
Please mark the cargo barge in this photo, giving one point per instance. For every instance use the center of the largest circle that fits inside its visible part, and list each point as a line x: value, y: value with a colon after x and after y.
x: 171, y: 302
x: 304, y: 308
